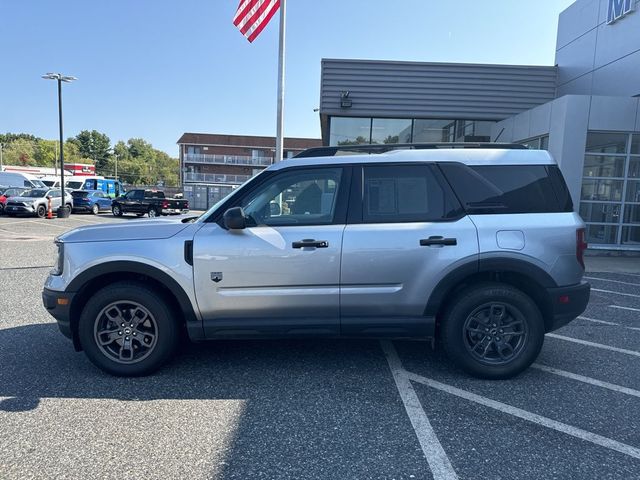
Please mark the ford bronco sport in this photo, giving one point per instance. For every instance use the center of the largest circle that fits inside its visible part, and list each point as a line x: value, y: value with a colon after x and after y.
x: 477, y: 247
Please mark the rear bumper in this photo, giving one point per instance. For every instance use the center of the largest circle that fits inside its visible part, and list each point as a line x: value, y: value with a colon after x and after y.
x: 60, y: 311
x: 568, y: 303
x: 175, y: 211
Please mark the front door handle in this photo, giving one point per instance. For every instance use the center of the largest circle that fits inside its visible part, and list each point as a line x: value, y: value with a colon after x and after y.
x: 310, y: 243
x: 428, y: 242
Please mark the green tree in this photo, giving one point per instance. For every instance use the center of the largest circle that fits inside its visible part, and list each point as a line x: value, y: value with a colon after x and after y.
x: 93, y: 145
x: 46, y: 153
x: 20, y: 152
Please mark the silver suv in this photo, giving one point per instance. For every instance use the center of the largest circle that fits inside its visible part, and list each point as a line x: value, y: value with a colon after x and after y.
x: 478, y: 248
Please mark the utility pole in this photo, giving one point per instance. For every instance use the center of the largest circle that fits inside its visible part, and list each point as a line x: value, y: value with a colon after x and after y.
x: 0, y: 157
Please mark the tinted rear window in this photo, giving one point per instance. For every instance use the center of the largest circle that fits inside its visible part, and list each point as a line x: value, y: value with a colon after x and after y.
x: 509, y: 188
x: 79, y: 194
x: 149, y: 194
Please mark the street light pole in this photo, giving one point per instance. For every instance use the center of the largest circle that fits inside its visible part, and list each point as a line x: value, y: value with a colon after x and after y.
x: 0, y: 157
x: 62, y: 210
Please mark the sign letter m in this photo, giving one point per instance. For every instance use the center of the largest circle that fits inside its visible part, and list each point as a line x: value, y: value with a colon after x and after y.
x: 618, y: 9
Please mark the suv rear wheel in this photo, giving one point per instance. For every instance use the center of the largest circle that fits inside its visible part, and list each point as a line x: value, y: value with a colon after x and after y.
x: 127, y: 329
x: 492, y: 331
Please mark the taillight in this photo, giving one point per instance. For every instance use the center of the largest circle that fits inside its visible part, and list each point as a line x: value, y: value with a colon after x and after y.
x: 187, y: 204
x: 165, y: 204
x: 581, y: 245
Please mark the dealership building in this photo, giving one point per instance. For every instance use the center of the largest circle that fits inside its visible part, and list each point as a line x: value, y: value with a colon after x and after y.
x: 584, y: 110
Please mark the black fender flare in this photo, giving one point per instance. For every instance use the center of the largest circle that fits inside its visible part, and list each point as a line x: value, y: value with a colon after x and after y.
x: 486, y: 265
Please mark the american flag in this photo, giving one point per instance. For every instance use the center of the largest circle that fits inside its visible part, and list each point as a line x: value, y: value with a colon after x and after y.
x: 253, y: 15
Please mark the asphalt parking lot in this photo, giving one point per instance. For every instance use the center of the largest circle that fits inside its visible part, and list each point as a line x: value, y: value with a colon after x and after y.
x: 314, y: 409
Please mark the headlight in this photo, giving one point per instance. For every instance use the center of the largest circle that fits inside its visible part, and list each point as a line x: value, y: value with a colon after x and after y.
x: 59, y: 265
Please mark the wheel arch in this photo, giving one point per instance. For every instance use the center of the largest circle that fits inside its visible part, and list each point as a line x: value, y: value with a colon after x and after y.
x: 108, y: 273
x: 527, y: 277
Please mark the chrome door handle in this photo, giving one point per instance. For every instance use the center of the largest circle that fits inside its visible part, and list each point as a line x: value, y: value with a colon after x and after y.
x: 428, y: 242
x: 310, y: 243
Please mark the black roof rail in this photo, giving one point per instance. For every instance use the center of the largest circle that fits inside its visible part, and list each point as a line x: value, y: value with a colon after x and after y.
x: 388, y: 147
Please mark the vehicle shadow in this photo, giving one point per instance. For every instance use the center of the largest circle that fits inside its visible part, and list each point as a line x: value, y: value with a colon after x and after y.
x: 311, y: 408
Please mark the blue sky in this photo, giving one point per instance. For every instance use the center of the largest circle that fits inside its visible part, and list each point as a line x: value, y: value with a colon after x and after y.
x: 157, y: 68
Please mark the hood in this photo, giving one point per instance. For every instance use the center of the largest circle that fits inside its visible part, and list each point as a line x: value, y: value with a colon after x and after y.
x: 155, y: 229
x: 25, y: 199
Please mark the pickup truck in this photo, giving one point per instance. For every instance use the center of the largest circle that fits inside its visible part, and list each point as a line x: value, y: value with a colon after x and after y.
x: 151, y: 202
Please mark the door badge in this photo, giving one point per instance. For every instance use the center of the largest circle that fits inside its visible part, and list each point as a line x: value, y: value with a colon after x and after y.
x: 216, y: 276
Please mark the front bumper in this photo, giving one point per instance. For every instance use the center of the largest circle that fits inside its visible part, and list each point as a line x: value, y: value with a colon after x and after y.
x: 19, y: 209
x: 58, y: 304
x: 568, y: 303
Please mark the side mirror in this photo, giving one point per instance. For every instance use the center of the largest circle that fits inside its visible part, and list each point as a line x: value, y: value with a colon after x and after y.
x: 234, y: 219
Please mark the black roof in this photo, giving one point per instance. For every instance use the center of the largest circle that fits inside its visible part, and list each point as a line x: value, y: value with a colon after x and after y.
x: 387, y: 147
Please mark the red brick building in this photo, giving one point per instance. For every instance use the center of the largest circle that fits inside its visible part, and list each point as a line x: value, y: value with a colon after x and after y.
x: 212, y: 165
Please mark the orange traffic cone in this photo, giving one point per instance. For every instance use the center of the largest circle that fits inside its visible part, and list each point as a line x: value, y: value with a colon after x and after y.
x: 49, y: 210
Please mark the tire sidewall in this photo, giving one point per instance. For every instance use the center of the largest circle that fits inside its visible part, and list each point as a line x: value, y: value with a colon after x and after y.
x: 41, y: 211
x: 168, y: 332
x: 116, y: 210
x: 155, y: 212
x: 452, y: 329
x: 95, y: 209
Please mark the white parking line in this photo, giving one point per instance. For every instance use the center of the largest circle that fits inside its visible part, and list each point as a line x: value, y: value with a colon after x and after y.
x: 593, y: 344
x: 615, y: 293
x: 438, y: 460
x: 599, y: 321
x: 589, y: 380
x: 531, y: 417
x: 625, y: 308
x: 614, y: 281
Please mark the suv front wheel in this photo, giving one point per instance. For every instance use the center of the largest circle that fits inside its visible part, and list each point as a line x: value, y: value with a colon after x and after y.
x: 127, y: 329
x: 492, y: 331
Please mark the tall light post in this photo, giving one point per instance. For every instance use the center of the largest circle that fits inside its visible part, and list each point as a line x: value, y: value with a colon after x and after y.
x: 0, y: 157
x: 62, y: 211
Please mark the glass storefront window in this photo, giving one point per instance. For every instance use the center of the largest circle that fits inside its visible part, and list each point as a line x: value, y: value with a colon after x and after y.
x: 632, y: 213
x: 391, y: 130
x: 600, y: 212
x: 631, y: 236
x: 634, y: 167
x: 607, y: 142
x: 633, y: 191
x: 431, y: 131
x: 603, y: 166
x: 604, y: 190
x: 349, y: 131
x: 602, y: 234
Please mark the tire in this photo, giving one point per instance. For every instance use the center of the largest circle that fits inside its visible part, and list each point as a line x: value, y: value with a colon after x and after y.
x: 41, y: 211
x: 153, y: 212
x: 69, y: 209
x: 95, y: 209
x: 475, y: 331
x: 116, y: 210
x: 150, y: 344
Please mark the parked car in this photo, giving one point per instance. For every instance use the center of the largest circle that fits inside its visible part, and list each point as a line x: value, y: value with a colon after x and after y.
x: 94, y: 201
x: 151, y: 202
x: 478, y: 247
x: 36, y: 202
x: 7, y: 192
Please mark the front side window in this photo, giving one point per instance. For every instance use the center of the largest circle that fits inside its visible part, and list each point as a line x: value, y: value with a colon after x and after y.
x: 403, y: 193
x: 301, y: 197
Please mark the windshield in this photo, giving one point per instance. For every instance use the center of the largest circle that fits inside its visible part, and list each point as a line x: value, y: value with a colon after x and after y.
x: 35, y: 193
x: 74, y: 184
x: 38, y: 183
x: 48, y: 183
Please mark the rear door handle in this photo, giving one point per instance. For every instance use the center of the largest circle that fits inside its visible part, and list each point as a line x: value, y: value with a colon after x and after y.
x: 310, y: 243
x: 428, y: 242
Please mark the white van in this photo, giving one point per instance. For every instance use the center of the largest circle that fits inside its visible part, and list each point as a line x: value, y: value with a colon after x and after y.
x: 76, y: 182
x: 51, y: 181
x: 17, y: 179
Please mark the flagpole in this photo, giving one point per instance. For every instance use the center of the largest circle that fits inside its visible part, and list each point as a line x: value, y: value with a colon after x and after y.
x: 280, y: 120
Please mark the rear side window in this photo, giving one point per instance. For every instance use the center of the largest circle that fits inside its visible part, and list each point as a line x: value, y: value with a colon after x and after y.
x: 494, y: 189
x: 404, y: 193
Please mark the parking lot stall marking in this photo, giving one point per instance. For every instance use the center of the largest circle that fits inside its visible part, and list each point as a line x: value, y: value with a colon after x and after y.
x: 438, y: 460
x: 530, y: 417
x: 589, y: 380
x: 625, y: 308
x: 615, y: 293
x: 598, y: 321
x: 613, y: 281
x: 593, y: 344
